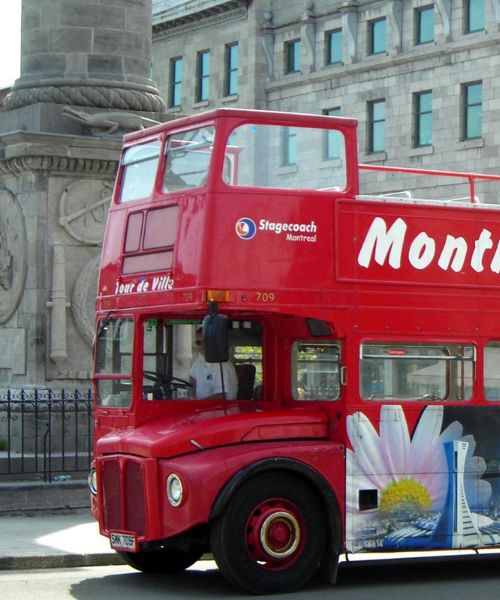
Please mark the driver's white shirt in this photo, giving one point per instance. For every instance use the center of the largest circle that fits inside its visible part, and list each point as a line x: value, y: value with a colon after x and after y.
x: 208, y: 380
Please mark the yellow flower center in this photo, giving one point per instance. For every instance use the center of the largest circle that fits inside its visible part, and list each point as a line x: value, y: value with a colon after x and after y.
x: 406, y: 494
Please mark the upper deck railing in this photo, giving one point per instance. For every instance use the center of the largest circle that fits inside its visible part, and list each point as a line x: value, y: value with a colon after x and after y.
x: 471, y: 179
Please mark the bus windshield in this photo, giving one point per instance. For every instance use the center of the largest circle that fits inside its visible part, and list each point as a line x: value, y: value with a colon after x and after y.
x: 188, y: 159
x: 173, y: 365
x: 302, y: 158
x: 139, y: 166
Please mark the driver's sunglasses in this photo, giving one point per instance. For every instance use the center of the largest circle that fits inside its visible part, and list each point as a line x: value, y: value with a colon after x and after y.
x: 197, y: 342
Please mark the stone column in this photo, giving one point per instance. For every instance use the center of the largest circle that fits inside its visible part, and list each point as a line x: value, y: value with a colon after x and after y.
x: 95, y: 54
x: 84, y: 82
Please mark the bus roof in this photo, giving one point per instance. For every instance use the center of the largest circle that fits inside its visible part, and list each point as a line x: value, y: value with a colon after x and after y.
x: 258, y: 116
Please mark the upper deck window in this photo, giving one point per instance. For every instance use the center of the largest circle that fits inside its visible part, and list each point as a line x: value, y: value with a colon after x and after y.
x: 188, y: 159
x: 139, y: 165
x: 259, y: 152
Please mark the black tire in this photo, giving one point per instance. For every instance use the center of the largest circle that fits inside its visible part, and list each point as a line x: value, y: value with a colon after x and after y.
x: 161, y: 561
x: 272, y: 535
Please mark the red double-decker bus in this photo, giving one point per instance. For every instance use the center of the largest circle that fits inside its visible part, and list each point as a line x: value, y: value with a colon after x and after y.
x: 288, y: 370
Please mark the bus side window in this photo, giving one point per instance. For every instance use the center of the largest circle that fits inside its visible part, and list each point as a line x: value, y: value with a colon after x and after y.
x: 408, y: 371
x: 315, y: 371
x: 491, y: 371
x: 114, y: 344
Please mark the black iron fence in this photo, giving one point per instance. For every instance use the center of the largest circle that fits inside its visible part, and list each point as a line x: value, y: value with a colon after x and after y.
x: 45, y: 433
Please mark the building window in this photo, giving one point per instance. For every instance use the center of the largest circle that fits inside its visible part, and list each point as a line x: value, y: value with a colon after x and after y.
x: 176, y: 70
x: 474, y: 15
x: 289, y: 147
x: 232, y: 60
x: 423, y: 119
x: 376, y: 123
x: 333, y: 147
x: 472, y: 94
x: 425, y: 25
x: 203, y: 76
x: 377, y: 36
x: 292, y: 56
x: 333, y: 47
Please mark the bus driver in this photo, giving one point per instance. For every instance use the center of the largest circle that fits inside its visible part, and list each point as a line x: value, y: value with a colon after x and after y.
x: 207, y: 376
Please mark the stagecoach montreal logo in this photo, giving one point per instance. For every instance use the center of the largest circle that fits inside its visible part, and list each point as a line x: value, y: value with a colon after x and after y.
x: 246, y: 229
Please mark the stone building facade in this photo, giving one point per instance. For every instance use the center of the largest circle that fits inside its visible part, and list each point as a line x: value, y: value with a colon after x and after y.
x: 420, y: 76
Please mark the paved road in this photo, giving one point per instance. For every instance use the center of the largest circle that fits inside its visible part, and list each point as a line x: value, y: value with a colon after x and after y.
x: 433, y: 580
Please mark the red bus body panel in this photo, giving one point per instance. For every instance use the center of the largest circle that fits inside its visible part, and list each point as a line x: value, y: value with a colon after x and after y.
x: 377, y: 270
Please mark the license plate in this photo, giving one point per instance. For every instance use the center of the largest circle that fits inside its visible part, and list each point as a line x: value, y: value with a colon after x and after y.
x: 123, y: 541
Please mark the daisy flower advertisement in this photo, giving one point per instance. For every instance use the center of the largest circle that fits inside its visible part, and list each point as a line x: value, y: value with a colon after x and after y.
x: 433, y: 488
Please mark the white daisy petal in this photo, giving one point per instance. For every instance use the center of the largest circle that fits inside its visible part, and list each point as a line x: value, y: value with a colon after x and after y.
x: 366, y: 445
x: 394, y: 440
x: 425, y: 440
x: 454, y: 431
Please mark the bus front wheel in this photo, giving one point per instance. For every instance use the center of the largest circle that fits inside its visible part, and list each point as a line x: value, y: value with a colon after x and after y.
x: 271, y: 536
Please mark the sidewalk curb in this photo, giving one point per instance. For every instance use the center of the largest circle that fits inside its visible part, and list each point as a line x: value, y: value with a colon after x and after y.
x: 24, y: 497
x: 59, y: 561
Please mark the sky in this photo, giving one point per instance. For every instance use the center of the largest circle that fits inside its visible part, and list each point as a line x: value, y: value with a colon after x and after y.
x: 10, y: 41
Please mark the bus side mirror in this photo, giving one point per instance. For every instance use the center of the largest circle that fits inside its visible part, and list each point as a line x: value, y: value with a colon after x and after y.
x: 215, y: 338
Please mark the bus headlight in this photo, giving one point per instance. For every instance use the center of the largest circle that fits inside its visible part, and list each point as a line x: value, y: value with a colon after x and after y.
x: 175, y: 492
x: 92, y: 482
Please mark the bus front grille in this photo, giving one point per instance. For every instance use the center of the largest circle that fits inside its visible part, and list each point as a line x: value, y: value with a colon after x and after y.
x: 123, y: 492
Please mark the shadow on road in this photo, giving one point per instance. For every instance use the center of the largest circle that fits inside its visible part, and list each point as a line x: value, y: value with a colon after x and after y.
x: 193, y: 584
x: 456, y: 578
x: 422, y: 570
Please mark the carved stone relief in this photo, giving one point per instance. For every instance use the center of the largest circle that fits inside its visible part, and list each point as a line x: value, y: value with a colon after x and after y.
x: 350, y: 27
x: 13, y: 254
x: 395, y: 18
x: 308, y: 34
x: 5, y: 260
x: 83, y: 209
x: 83, y: 299
x: 444, y: 10
x: 267, y: 42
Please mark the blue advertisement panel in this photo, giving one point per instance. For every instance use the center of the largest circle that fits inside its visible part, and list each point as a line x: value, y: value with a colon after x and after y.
x: 436, y: 487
